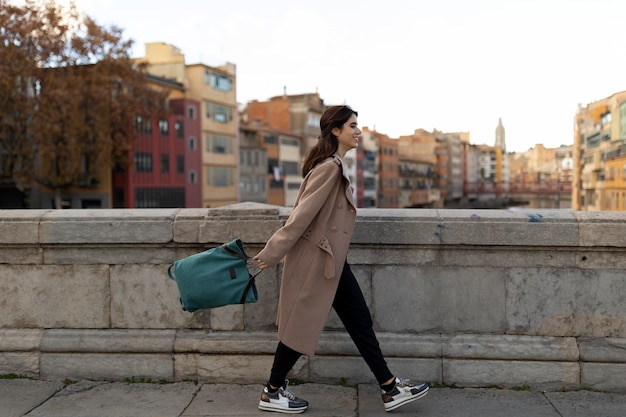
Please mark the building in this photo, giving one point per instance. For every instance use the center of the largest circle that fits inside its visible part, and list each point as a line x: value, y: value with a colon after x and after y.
x: 165, y: 161
x: 599, y: 149
x: 289, y: 127
x: 388, y: 189
x: 454, y: 166
x: 215, y: 89
x: 368, y: 166
x: 422, y: 170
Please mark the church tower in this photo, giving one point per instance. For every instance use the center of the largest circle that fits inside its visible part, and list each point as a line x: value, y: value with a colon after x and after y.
x: 500, y: 142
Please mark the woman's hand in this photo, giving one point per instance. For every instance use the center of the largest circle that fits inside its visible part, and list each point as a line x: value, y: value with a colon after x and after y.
x: 260, y: 262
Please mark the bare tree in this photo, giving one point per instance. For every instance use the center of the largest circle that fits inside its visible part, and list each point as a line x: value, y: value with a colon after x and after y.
x: 69, y: 92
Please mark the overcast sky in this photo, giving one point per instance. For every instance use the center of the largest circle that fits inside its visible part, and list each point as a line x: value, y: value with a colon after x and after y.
x: 453, y: 65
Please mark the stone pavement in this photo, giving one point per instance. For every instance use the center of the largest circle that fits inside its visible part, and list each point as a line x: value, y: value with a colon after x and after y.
x: 34, y: 398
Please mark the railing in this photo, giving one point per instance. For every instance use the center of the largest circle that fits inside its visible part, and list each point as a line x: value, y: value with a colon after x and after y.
x: 546, y: 187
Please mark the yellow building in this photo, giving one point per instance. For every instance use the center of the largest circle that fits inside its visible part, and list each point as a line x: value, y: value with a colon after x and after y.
x: 215, y: 89
x: 615, y: 179
x: 599, y: 149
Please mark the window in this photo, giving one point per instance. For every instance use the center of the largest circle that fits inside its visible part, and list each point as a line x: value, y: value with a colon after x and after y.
x: 290, y: 142
x: 290, y: 167
x: 165, y: 164
x: 220, y: 177
x: 221, y: 114
x: 271, y: 164
x: 179, y: 127
x: 222, y: 144
x: 221, y: 82
x: 191, y: 112
x: 270, y: 139
x: 192, y: 143
x: 143, y: 125
x: 164, y: 127
x: 143, y: 162
x: 193, y: 177
x: 180, y: 164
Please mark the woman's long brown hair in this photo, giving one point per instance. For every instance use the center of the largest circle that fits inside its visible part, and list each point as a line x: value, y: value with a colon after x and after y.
x: 327, y: 144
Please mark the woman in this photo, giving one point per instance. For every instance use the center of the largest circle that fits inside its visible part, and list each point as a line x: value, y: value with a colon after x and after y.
x: 314, y: 244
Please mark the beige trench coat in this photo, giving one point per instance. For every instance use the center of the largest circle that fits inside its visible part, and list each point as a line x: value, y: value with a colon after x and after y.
x: 314, y: 243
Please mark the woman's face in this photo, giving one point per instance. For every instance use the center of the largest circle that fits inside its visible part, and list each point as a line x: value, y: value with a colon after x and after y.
x: 348, y: 135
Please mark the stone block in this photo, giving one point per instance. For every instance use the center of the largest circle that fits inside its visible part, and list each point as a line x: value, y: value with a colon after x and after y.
x: 396, y: 227
x: 218, y: 231
x: 602, y: 349
x: 19, y: 363
x: 227, y: 318
x: 21, y: 255
x: 602, y: 228
x: 106, y: 366
x: 240, y: 368
x: 564, y: 302
x: 603, y: 376
x: 600, y: 258
x: 393, y: 255
x: 117, y: 226
x: 109, y: 254
x: 509, y: 347
x: 15, y: 340
x: 20, y: 226
x: 522, y: 227
x: 186, y: 367
x: 536, y: 374
x: 53, y: 296
x: 337, y: 343
x: 262, y: 314
x: 144, y: 297
x: 506, y: 257
x: 108, y: 341
x: 467, y: 300
x: 332, y: 369
x: 187, y: 224
x: 201, y: 341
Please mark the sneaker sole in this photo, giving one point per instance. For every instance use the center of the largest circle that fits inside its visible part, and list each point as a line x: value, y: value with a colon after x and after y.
x: 406, y: 400
x: 278, y: 409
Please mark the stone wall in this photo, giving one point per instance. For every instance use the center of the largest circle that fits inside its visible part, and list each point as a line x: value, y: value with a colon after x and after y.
x: 458, y: 297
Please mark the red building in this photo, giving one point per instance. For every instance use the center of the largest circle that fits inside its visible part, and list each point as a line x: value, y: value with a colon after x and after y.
x: 165, y: 168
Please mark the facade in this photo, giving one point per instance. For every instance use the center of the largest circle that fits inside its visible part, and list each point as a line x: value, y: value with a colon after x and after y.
x: 421, y: 163
x: 165, y: 161
x: 252, y: 165
x: 452, y: 144
x: 289, y: 126
x: 369, y: 167
x: 215, y: 89
x: 599, y: 149
x: 388, y: 191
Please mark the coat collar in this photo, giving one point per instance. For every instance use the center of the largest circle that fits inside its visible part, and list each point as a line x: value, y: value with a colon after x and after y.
x: 344, y: 172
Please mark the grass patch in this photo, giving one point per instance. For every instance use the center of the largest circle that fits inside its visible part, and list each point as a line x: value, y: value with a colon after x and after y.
x: 343, y: 381
x: 14, y: 376
x: 134, y: 380
x: 521, y: 388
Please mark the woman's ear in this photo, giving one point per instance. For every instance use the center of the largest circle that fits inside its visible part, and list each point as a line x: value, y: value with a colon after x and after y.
x: 336, y: 131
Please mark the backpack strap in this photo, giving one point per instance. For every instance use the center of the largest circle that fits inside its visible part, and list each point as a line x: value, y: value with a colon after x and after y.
x: 235, y: 253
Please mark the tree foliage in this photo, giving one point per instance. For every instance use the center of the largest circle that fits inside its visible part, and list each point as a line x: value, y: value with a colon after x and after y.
x: 69, y: 91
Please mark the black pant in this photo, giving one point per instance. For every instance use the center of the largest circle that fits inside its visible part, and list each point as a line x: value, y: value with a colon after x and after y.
x: 351, y: 308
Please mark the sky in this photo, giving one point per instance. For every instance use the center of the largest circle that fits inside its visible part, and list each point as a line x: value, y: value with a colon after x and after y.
x: 450, y: 65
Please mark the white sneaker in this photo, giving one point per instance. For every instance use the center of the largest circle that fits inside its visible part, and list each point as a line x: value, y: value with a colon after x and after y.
x: 282, y: 401
x: 403, y: 393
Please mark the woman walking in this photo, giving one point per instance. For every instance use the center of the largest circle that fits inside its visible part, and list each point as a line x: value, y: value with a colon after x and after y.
x: 316, y: 276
